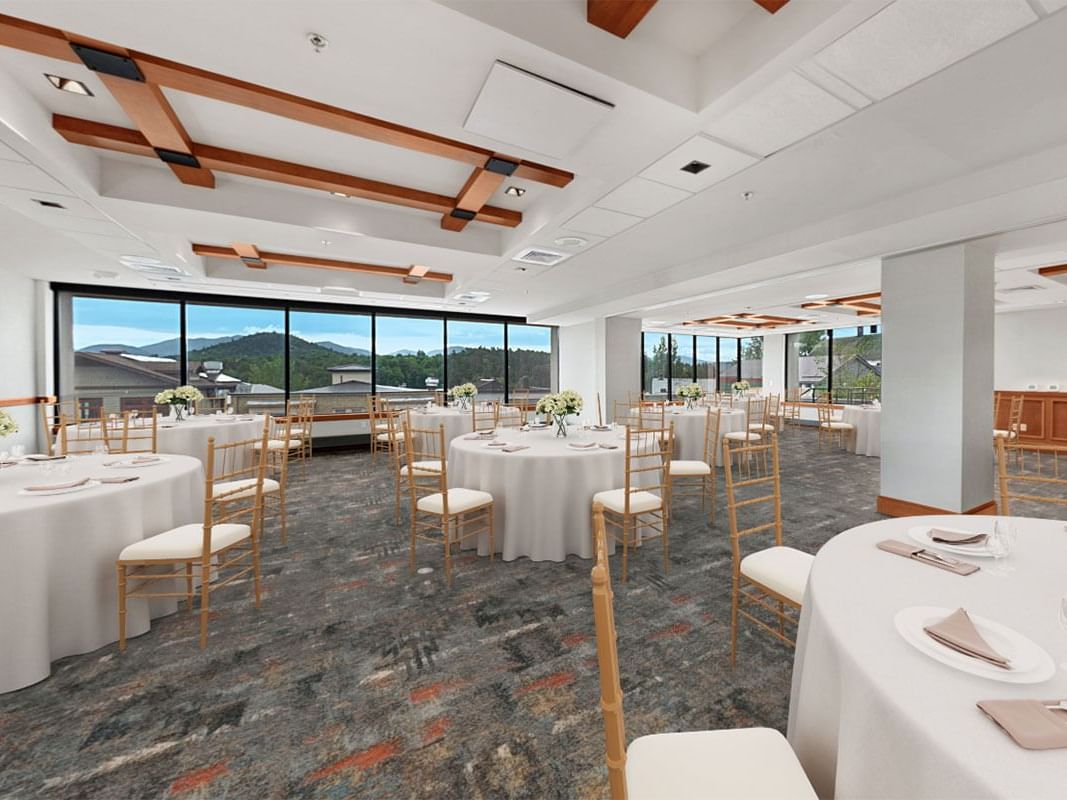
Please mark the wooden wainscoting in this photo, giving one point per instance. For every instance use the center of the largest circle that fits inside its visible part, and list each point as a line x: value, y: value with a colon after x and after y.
x: 1044, y: 415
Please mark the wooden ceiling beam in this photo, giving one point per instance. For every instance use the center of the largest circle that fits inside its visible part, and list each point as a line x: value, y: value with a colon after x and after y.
x: 475, y: 193
x: 54, y: 43
x: 774, y: 6
x: 249, y: 254
x: 290, y: 260
x: 233, y: 162
x: 1049, y: 272
x: 618, y: 17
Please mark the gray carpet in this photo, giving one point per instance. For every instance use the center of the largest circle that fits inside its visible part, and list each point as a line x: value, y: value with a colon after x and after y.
x: 358, y: 680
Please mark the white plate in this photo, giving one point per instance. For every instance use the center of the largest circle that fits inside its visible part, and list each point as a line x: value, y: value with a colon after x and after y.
x: 921, y: 534
x: 51, y: 492
x: 129, y: 463
x: 1029, y: 662
x: 579, y: 446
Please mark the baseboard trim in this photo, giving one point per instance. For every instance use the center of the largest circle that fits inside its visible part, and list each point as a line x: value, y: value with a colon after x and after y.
x: 892, y: 507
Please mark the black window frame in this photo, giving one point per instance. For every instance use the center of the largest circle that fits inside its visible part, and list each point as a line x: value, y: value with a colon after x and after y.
x: 693, y: 367
x: 858, y: 331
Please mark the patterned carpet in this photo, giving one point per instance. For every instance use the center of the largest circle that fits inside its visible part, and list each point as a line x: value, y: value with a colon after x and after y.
x: 356, y: 680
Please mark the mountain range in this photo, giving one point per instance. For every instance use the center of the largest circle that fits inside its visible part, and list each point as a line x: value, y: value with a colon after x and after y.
x: 169, y: 348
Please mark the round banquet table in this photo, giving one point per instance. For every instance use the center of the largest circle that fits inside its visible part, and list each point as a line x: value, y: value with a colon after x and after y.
x: 689, y: 430
x: 542, y: 496
x: 456, y: 421
x: 872, y: 717
x: 867, y: 421
x: 57, y: 577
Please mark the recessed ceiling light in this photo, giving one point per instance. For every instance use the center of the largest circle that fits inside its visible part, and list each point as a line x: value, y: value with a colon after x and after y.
x: 69, y: 85
x: 104, y: 273
x: 657, y: 322
x: 571, y: 241
x: 816, y: 296
x: 326, y: 242
x: 515, y: 191
x: 339, y: 230
x: 747, y: 195
x: 339, y: 194
x: 695, y: 167
x: 473, y: 297
x: 338, y: 290
x: 49, y: 203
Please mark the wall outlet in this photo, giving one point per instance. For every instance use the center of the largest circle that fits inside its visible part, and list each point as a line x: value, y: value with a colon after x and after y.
x: 1022, y: 427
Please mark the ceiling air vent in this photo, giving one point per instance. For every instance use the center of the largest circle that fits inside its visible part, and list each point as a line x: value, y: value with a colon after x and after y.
x: 1013, y: 289
x: 540, y: 256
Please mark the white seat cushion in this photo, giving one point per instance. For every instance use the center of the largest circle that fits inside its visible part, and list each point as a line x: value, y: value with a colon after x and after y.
x: 999, y: 434
x: 690, y: 468
x: 384, y: 437
x: 781, y: 569
x: 459, y: 500
x: 244, y: 488
x: 835, y: 426
x: 640, y: 502
x: 759, y: 426
x: 741, y: 436
x: 743, y: 764
x: 184, y: 543
x: 423, y: 467
x: 279, y: 444
x: 381, y: 427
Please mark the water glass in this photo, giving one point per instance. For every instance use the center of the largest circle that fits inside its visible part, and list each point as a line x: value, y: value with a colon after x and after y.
x: 18, y: 450
x: 1001, y: 544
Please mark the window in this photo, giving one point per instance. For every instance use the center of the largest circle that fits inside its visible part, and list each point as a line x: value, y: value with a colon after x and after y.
x: 752, y: 361
x: 682, y: 362
x: 237, y: 352
x: 476, y: 355
x: 728, y: 363
x: 857, y: 370
x: 807, y: 357
x: 656, y: 364
x: 330, y: 360
x: 410, y: 356
x: 708, y: 363
x: 120, y: 353
x: 529, y: 360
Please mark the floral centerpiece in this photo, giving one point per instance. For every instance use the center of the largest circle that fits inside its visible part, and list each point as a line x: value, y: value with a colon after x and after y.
x: 463, y: 394
x: 740, y: 387
x: 8, y: 426
x: 691, y: 392
x: 179, y: 399
x: 558, y: 406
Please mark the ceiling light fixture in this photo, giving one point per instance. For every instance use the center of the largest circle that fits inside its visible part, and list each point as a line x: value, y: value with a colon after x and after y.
x: 747, y: 195
x: 69, y: 85
x: 339, y: 230
x: 816, y: 296
x: 326, y: 242
x: 49, y: 204
x: 695, y: 167
x: 104, y: 274
x: 571, y: 241
x: 339, y: 194
x: 472, y: 297
x: 318, y: 41
x: 515, y: 191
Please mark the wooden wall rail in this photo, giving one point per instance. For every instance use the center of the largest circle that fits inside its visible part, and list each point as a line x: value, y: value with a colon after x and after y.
x: 11, y: 402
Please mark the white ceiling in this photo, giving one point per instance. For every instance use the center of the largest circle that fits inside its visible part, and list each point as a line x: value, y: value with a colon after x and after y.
x: 857, y: 129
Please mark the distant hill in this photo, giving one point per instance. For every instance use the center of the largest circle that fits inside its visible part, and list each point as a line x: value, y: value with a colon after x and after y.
x: 341, y: 348
x: 168, y: 348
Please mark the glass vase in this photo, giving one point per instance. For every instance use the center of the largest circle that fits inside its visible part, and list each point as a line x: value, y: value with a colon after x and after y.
x: 689, y: 401
x: 178, y: 412
x: 561, y: 425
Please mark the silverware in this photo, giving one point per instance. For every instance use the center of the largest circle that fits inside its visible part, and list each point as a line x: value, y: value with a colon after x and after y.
x: 1060, y: 706
x: 931, y: 556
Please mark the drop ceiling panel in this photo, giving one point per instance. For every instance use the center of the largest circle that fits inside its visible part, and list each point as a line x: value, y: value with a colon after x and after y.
x: 642, y: 198
x: 724, y: 161
x: 601, y: 222
x: 7, y: 154
x: 22, y: 201
x: 515, y: 107
x: 788, y: 110
x: 1052, y: 5
x: 20, y: 175
x: 912, y: 39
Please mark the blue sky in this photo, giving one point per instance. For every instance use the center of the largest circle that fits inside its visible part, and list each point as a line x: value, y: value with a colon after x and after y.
x: 137, y: 323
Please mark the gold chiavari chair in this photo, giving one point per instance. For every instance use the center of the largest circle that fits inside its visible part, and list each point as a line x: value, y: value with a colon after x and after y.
x: 697, y: 478
x: 439, y: 398
x: 624, y: 412
x: 771, y: 580
x: 509, y: 415
x: 87, y: 436
x: 639, y: 511
x: 441, y: 515
x: 830, y: 427
x: 757, y: 413
x: 710, y: 765
x: 277, y: 456
x: 1026, y: 482
x: 775, y: 414
x: 1015, y: 418
x: 379, y: 426
x: 791, y: 407
x: 520, y: 397
x: 301, y: 414
x: 140, y: 433
x: 483, y: 419
x: 651, y: 416
x: 209, y: 405
x: 397, y: 424
x: 52, y: 416
x: 224, y: 547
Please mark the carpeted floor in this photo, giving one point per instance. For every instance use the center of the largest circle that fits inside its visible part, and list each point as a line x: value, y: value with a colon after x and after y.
x: 356, y: 680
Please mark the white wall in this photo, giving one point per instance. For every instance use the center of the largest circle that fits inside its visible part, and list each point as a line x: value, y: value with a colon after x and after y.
x: 1030, y: 347
x: 581, y: 360
x: 20, y: 337
x: 774, y: 363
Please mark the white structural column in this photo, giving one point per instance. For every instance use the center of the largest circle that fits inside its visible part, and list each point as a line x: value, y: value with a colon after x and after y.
x: 937, y: 380
x: 603, y: 356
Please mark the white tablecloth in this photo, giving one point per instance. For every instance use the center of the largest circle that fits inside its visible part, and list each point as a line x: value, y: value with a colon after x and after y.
x: 689, y: 430
x: 543, y: 496
x: 871, y: 717
x: 456, y: 421
x: 868, y: 424
x: 58, y: 593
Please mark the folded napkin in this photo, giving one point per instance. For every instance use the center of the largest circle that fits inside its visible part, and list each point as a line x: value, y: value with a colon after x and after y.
x: 514, y: 448
x: 52, y: 487
x: 956, y: 537
x: 581, y: 445
x: 38, y: 457
x: 957, y: 632
x: 607, y: 446
x: 1029, y: 722
x: 473, y: 437
x: 118, y: 479
x: 497, y: 444
x: 138, y: 460
x: 917, y: 553
x: 600, y: 427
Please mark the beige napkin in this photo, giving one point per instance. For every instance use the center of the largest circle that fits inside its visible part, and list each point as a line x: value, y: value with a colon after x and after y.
x: 607, y: 446
x: 581, y: 445
x: 118, y: 479
x: 55, y: 486
x: 957, y: 632
x: 514, y: 448
x: 1029, y: 722
x: 917, y: 553
x: 956, y: 537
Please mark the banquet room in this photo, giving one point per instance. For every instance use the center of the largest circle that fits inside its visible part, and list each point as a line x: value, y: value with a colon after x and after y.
x: 578, y: 399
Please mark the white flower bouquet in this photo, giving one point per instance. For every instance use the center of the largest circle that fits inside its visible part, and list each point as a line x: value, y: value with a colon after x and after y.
x: 741, y: 386
x: 179, y: 399
x: 464, y: 393
x: 558, y: 406
x: 8, y: 425
x: 690, y: 392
